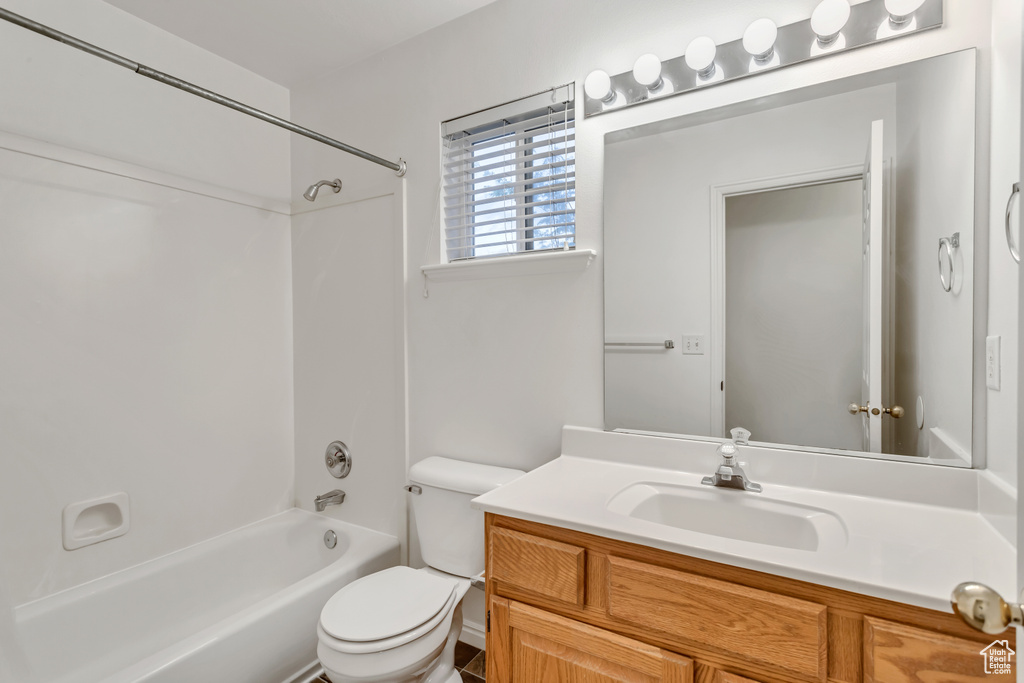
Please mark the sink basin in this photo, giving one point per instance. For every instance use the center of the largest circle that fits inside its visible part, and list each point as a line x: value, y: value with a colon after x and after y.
x: 727, y: 513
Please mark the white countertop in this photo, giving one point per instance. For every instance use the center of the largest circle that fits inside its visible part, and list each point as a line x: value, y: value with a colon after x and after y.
x: 911, y: 543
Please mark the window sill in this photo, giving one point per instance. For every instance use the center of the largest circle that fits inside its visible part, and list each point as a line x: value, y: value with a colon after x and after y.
x: 505, y: 266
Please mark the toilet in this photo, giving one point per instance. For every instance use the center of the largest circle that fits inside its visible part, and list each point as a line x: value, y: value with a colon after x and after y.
x: 401, y: 624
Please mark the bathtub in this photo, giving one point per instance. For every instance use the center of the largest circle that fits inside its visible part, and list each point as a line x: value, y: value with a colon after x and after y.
x: 239, y: 607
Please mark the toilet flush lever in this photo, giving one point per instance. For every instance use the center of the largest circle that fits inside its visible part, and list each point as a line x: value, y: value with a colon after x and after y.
x: 984, y: 609
x: 413, y: 489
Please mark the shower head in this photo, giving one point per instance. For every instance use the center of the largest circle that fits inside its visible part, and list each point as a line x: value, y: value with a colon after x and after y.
x: 310, y: 194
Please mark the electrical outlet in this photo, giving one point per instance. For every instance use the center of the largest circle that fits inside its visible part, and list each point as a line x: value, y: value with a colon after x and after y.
x: 992, y: 362
x: 693, y: 345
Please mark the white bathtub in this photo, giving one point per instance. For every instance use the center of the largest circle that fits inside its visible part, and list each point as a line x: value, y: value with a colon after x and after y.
x: 240, y: 607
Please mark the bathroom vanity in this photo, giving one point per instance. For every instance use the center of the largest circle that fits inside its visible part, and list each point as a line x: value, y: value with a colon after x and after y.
x: 605, y: 567
x: 569, y: 606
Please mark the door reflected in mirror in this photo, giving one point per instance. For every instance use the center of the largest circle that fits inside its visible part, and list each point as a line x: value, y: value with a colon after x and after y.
x: 787, y: 248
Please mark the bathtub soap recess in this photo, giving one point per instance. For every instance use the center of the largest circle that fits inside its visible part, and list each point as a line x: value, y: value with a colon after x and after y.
x: 91, y: 521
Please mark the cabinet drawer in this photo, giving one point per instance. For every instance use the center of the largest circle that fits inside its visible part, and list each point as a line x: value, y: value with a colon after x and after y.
x: 775, y: 632
x: 897, y: 653
x: 548, y: 568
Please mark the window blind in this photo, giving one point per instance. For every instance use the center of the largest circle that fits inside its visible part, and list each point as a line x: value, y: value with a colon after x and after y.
x: 509, y: 178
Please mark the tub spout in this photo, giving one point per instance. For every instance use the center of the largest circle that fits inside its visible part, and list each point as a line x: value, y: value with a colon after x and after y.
x: 335, y: 497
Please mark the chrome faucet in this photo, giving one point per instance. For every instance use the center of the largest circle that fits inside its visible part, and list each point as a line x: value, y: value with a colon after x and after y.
x: 335, y: 497
x: 729, y: 473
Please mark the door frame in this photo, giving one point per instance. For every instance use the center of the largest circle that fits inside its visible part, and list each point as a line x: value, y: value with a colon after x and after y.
x: 719, y: 193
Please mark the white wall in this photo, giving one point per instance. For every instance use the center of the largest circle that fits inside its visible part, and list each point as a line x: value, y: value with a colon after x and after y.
x: 1004, y: 274
x: 934, y: 159
x: 496, y: 367
x: 478, y: 388
x: 658, y: 192
x: 61, y: 95
x: 145, y: 308
x: 794, y: 314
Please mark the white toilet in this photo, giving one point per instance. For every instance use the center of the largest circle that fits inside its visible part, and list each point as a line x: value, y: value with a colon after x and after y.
x: 401, y: 625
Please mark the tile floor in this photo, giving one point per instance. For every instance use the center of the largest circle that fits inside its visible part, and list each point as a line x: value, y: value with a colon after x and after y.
x: 470, y: 662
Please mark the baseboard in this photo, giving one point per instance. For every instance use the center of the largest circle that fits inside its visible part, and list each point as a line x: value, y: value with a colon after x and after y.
x: 473, y: 634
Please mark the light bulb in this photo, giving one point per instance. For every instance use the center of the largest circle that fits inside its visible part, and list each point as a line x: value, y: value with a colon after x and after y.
x: 837, y: 45
x: 598, y: 86
x: 828, y: 19
x: 700, y: 56
x: 900, y: 11
x: 647, y: 71
x: 759, y: 40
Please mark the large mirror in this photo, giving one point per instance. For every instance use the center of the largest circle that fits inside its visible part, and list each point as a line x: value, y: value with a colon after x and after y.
x: 801, y: 266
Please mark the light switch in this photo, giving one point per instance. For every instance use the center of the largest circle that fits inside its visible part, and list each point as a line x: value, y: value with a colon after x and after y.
x: 992, y: 362
x: 693, y: 345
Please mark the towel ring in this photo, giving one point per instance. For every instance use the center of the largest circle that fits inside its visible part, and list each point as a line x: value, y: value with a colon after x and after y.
x: 1014, y: 251
x: 946, y: 247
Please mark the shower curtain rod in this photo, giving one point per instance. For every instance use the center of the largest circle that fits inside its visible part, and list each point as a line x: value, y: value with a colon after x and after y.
x: 399, y: 168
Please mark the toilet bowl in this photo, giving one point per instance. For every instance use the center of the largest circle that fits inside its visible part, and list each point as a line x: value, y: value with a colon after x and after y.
x: 392, y: 626
x: 401, y: 624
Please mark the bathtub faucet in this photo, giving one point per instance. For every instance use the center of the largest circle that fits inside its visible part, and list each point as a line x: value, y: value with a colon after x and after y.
x: 335, y: 497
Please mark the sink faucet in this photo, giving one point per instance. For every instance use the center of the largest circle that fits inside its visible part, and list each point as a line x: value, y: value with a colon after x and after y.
x: 335, y: 497
x: 729, y: 473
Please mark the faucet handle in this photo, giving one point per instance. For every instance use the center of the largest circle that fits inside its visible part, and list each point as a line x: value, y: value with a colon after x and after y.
x: 727, y: 450
x: 740, y: 435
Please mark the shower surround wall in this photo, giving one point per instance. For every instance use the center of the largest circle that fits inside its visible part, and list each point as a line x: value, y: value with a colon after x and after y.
x: 145, y: 308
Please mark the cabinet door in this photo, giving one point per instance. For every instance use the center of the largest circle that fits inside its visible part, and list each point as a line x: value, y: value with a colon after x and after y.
x: 528, y: 645
x: 707, y: 673
x: 724, y: 677
x: 897, y: 653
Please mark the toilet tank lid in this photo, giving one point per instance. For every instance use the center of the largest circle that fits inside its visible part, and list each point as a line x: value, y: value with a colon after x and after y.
x: 461, y: 476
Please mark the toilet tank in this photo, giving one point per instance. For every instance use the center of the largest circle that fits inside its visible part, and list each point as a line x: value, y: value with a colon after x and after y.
x: 450, y: 531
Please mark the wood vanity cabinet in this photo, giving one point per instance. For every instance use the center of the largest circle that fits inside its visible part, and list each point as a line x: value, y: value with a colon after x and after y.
x: 568, y: 607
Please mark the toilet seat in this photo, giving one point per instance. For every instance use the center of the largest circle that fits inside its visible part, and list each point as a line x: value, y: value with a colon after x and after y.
x: 386, y: 610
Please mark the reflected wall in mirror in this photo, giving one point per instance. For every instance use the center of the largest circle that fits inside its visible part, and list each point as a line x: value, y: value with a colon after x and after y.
x: 787, y: 248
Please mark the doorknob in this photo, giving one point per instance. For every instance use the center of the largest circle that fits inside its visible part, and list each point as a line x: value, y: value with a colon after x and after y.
x: 896, y: 411
x: 984, y: 609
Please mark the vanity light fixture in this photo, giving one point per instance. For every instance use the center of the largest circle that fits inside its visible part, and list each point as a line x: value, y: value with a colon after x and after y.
x: 902, y: 18
x: 700, y: 56
x: 901, y: 11
x: 759, y: 40
x: 834, y: 26
x: 828, y: 20
x: 647, y: 72
x: 598, y: 86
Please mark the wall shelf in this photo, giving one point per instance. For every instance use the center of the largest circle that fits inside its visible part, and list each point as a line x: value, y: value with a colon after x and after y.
x: 507, y: 266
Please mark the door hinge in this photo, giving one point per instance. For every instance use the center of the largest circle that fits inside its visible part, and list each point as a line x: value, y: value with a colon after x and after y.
x: 488, y: 621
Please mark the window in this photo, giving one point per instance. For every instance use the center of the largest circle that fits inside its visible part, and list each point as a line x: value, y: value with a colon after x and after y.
x: 509, y: 178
